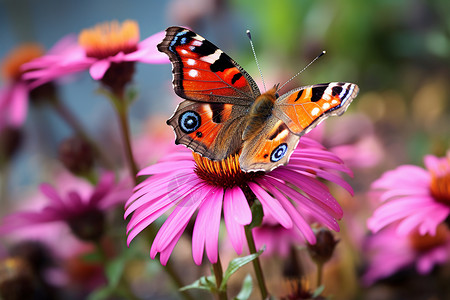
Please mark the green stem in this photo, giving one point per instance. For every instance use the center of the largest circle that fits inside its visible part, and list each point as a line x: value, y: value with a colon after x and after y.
x: 65, y: 114
x: 319, y: 273
x: 218, y: 273
x: 4, y: 176
x: 256, y: 263
x: 122, y: 114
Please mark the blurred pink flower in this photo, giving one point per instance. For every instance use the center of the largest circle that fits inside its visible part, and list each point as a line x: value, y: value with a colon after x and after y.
x: 388, y: 252
x: 191, y: 184
x: 78, y: 204
x: 155, y: 140
x: 352, y: 139
x: 96, y: 50
x: 14, y: 94
x: 418, y: 198
x: 277, y: 239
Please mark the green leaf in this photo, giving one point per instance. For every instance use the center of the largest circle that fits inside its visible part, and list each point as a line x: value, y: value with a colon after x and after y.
x: 318, y: 291
x: 246, y: 290
x: 237, y: 263
x: 92, y: 257
x: 114, y: 271
x: 204, y: 283
x: 257, y: 215
x: 101, y: 294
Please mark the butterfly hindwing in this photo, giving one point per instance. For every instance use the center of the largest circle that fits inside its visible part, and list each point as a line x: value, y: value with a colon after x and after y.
x: 304, y: 108
x: 202, y: 72
x: 213, y: 130
x: 271, y: 148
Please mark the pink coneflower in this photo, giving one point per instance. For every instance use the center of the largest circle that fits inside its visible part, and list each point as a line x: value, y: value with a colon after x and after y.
x: 82, y: 207
x: 189, y: 183
x: 277, y: 239
x: 14, y: 94
x: 389, y: 253
x: 108, y: 46
x: 418, y: 198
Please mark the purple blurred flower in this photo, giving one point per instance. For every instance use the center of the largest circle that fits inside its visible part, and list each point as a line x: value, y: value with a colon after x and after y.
x: 418, y: 198
x: 189, y: 184
x: 388, y: 252
x: 97, y: 49
x: 79, y: 207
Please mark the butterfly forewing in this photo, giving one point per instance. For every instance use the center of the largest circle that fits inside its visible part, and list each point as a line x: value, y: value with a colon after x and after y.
x: 304, y: 108
x: 202, y: 72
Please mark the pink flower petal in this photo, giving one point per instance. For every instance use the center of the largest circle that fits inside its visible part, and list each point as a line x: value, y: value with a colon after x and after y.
x: 234, y: 229
x: 19, y: 104
x: 271, y: 205
x: 241, y: 209
x: 99, y: 68
x: 296, y: 217
x: 181, y: 215
x: 212, y: 230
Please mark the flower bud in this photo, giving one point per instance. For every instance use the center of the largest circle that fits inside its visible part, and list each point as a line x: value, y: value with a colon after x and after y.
x: 323, y: 249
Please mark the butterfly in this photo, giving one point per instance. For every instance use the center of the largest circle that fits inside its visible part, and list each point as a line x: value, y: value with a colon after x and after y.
x: 225, y: 113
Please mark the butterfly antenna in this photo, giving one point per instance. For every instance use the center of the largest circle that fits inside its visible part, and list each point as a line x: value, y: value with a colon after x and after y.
x: 256, y: 60
x: 317, y: 57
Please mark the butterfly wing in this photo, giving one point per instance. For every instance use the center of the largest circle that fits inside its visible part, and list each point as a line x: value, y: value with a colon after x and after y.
x: 294, y: 114
x: 271, y: 148
x: 212, y: 129
x: 304, y: 108
x: 203, y: 72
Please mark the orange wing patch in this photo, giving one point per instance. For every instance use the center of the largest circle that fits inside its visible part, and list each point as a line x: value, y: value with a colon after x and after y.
x: 302, y: 109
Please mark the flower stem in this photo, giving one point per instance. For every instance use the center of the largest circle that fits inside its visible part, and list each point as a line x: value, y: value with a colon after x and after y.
x: 256, y: 263
x: 319, y: 273
x: 218, y: 273
x: 65, y: 114
x: 122, y: 114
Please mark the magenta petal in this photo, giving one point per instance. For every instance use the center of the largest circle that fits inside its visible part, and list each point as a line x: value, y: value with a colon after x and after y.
x: 165, y: 167
x: 181, y: 214
x: 212, y: 232
x: 18, y: 104
x: 234, y: 229
x: 242, y: 212
x: 296, y: 217
x: 103, y: 187
x: 51, y: 194
x: 99, y: 68
x: 206, y: 228
x: 165, y: 254
x: 271, y: 205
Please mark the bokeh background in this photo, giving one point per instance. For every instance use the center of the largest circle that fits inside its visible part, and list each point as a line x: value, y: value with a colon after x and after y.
x: 397, y: 51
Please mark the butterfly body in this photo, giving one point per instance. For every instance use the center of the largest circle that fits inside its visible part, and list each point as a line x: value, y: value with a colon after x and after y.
x: 225, y: 113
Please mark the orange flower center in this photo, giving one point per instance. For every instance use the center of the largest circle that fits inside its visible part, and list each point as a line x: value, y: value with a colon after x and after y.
x: 440, y: 182
x: 17, y: 57
x: 225, y: 173
x: 109, y: 38
x: 423, y: 243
